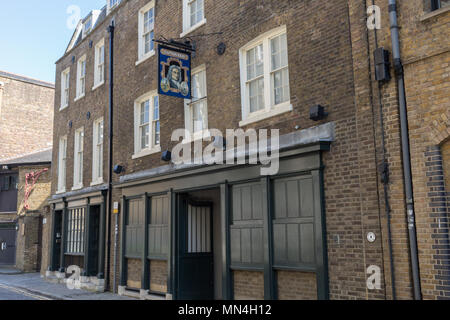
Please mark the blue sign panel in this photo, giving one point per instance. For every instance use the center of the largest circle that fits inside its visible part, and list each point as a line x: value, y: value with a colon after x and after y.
x: 174, y: 73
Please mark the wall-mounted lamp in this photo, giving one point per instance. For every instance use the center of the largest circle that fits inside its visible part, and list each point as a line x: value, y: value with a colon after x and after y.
x: 118, y: 169
x: 166, y: 156
x: 317, y: 113
x: 221, y: 48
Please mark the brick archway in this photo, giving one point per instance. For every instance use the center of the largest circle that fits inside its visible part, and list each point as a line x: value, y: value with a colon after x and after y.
x: 440, y: 128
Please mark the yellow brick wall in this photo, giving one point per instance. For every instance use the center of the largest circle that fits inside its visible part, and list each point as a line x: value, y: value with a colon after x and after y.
x: 248, y: 285
x: 40, y: 192
x: 158, y: 276
x: 134, y: 273
x: 294, y: 285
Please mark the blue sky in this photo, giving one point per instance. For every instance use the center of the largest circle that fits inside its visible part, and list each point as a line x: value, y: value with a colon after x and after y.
x: 34, y: 34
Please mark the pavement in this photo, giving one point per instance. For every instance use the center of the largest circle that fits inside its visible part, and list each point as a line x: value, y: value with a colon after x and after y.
x: 15, y: 285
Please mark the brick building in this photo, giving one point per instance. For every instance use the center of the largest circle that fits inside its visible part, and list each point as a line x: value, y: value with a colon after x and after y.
x: 25, y: 190
x: 26, y: 111
x: 26, y: 126
x: 425, y: 56
x: 312, y: 231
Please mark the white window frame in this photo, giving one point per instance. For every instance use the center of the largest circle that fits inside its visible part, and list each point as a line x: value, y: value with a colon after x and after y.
x: 188, y: 111
x: 99, y: 65
x: 97, y: 152
x: 269, y: 109
x: 81, y: 78
x: 85, y: 29
x: 78, y: 157
x: 187, y: 27
x: 142, y: 56
x: 62, y: 165
x: 152, y: 148
x: 65, y: 88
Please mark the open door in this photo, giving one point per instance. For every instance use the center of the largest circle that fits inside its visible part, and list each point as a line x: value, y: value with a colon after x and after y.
x: 195, y: 246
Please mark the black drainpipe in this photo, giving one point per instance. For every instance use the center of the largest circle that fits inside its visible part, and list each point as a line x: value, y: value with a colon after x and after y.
x: 411, y: 219
x: 110, y: 158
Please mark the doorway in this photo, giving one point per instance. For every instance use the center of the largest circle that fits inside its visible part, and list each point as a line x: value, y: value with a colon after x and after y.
x: 57, y: 241
x: 195, y: 261
x: 7, y: 244
x: 94, y: 240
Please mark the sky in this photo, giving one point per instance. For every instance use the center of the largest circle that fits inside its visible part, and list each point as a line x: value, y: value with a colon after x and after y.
x: 34, y: 34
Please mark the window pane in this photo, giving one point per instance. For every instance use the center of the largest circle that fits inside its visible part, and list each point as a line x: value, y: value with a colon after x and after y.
x: 145, y: 106
x: 145, y: 136
x: 255, y: 62
x: 199, y: 85
x: 279, y: 52
x: 256, y: 95
x: 156, y: 111
x: 157, y: 133
x: 280, y: 83
x: 198, y: 116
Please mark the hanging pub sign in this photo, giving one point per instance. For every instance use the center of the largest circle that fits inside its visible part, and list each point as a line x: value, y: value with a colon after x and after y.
x: 174, y: 72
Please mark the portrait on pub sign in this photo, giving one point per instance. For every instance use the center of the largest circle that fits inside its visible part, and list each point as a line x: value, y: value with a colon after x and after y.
x: 174, y: 73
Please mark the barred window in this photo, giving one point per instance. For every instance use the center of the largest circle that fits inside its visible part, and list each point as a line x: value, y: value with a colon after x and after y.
x: 75, y: 231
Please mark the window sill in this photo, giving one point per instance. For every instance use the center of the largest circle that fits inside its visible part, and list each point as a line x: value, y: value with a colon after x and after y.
x: 76, y: 188
x: 277, y: 110
x: 63, y: 108
x: 191, y: 29
x: 145, y: 57
x: 61, y: 191
x: 146, y: 152
x: 97, y: 183
x: 98, y: 85
x: 79, y: 98
x: 434, y: 13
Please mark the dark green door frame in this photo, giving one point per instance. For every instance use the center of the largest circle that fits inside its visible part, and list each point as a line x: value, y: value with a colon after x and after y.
x: 52, y: 258
x: 63, y: 238
x: 101, y: 237
x: 227, y: 291
x: 145, y: 277
x: 87, y: 223
x: 269, y: 274
x: 171, y: 245
x: 123, y: 262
